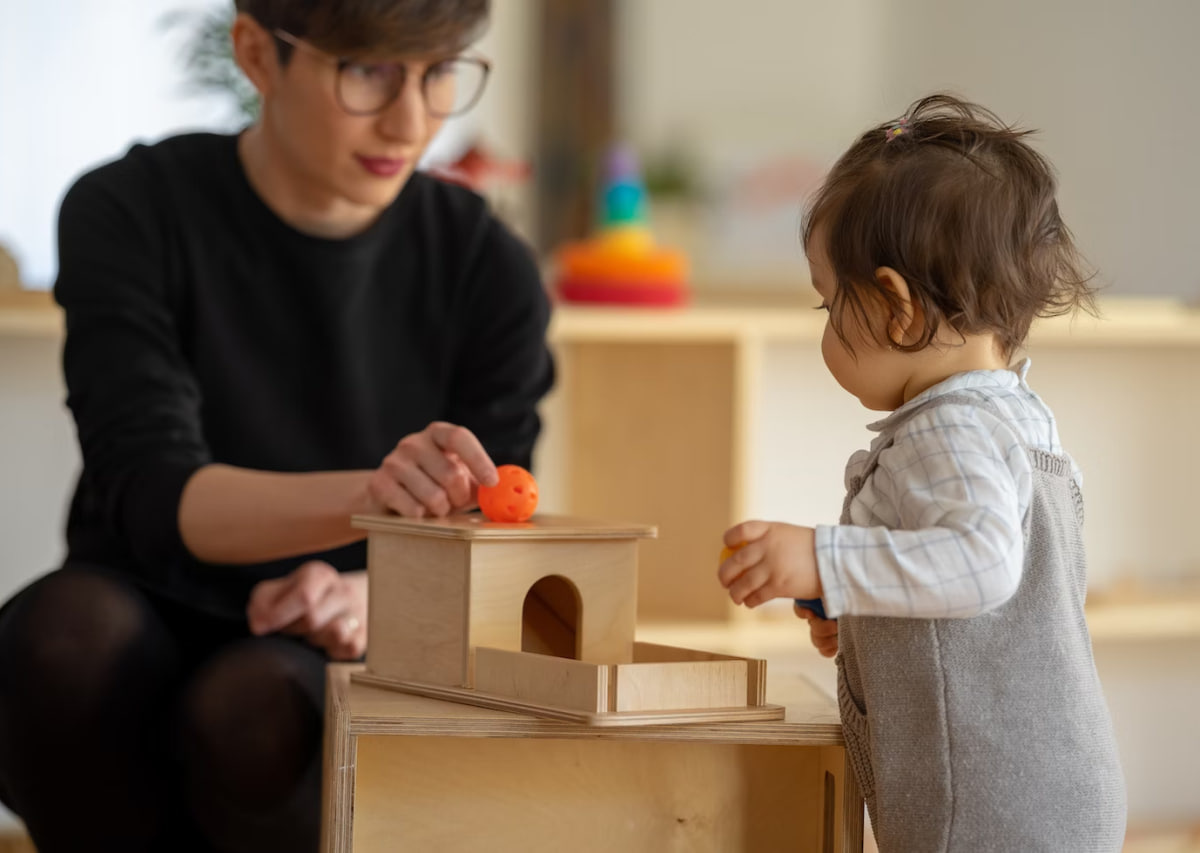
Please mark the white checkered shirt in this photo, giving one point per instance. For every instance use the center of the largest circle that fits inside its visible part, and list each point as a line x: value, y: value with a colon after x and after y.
x: 937, y: 529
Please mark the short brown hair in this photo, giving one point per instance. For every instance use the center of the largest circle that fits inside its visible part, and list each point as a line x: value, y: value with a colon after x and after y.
x: 360, y: 27
x: 960, y: 205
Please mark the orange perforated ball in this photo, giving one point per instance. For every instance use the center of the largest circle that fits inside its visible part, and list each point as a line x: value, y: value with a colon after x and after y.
x: 728, y: 552
x: 514, y: 498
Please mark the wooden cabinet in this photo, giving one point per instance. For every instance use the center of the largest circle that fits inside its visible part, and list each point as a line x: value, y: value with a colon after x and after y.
x: 658, y: 413
x: 403, y: 772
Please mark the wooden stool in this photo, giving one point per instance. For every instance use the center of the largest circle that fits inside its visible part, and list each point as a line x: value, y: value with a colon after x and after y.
x: 409, y: 773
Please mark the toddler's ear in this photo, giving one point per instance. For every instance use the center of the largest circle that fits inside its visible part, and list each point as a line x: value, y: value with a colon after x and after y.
x: 902, y: 327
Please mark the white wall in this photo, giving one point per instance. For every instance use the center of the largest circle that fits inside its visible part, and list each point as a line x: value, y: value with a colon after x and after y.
x: 38, y: 459
x: 1111, y: 84
x: 38, y: 463
x: 79, y: 82
x: 758, y: 76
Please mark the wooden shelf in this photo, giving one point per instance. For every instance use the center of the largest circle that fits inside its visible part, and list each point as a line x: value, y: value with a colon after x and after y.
x: 778, y: 635
x: 782, y: 317
x: 725, y: 317
x: 1124, y: 321
x: 709, y: 319
x: 29, y: 313
x: 646, y: 392
x: 1145, y: 615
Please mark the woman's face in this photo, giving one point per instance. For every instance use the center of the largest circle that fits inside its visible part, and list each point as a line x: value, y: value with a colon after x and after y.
x: 333, y: 159
x: 363, y: 159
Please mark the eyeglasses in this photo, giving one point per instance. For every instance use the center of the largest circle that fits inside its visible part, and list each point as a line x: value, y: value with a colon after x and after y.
x: 450, y: 87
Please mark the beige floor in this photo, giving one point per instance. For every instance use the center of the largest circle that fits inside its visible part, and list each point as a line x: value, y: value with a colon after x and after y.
x: 1183, y: 841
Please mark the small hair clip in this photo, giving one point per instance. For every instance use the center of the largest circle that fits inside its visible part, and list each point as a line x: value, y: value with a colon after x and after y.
x: 897, y: 129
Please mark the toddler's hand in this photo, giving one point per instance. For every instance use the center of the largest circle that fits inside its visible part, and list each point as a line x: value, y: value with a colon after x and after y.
x: 822, y: 632
x: 777, y: 561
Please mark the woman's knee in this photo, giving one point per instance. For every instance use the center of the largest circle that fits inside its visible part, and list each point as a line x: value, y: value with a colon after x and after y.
x: 78, y: 637
x: 87, y: 672
x: 252, y: 720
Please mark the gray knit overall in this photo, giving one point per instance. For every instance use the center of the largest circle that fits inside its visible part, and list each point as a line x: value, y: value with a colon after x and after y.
x: 989, y: 733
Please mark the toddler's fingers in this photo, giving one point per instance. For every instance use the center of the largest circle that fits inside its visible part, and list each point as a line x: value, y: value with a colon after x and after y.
x: 823, y: 628
x: 747, y: 531
x: 748, y: 582
x: 803, y: 613
x: 741, y: 560
x: 760, y: 596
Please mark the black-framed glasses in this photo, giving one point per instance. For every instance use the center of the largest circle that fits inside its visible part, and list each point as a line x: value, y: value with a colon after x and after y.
x: 450, y: 87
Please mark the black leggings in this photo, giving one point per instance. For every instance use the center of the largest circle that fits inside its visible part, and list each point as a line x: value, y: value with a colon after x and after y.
x: 131, y: 723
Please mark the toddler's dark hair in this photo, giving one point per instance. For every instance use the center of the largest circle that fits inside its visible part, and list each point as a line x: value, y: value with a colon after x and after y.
x: 960, y: 205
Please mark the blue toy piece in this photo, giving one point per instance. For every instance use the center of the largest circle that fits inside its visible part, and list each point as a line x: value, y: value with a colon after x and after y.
x: 813, y: 604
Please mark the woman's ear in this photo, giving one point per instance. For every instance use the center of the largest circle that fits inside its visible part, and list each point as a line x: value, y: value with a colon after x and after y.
x: 255, y: 53
x: 904, y: 323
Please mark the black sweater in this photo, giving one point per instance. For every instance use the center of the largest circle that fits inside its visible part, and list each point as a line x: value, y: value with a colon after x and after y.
x: 201, y: 328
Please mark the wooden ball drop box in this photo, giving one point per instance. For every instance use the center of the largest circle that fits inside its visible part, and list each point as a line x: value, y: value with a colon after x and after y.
x: 537, y: 618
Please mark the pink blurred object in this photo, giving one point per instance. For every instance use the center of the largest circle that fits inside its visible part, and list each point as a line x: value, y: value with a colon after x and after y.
x: 478, y: 170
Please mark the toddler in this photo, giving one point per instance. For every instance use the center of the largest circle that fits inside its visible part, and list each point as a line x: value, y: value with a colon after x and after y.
x: 954, y: 584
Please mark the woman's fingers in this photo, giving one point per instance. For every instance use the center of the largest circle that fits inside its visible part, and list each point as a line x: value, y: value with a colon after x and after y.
x: 432, y: 472
x: 461, y: 442
x: 390, y: 495
x: 342, y: 638
x: 275, y: 604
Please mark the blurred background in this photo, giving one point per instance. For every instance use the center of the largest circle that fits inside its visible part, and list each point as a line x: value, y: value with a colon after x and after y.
x: 734, y: 111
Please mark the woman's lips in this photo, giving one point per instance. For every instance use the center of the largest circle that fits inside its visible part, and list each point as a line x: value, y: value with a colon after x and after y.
x: 383, y: 167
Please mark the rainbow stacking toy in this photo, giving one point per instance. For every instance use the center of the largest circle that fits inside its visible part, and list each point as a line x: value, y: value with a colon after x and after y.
x: 621, y: 263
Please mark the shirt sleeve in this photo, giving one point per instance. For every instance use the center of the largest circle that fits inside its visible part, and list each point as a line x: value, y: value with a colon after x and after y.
x: 504, y: 366
x: 945, y: 540
x: 134, y: 399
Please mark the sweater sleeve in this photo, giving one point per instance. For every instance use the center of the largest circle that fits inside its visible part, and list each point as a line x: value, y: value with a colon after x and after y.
x: 134, y: 399
x: 504, y: 367
x: 943, y: 515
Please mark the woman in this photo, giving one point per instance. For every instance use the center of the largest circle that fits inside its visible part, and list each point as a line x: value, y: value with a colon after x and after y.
x: 266, y: 333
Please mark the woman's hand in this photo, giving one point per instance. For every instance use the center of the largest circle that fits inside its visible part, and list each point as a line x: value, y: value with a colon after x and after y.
x: 822, y: 632
x: 775, y: 561
x: 316, y: 601
x: 432, y: 473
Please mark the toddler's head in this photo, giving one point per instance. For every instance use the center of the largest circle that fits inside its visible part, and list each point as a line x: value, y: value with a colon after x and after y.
x: 963, y: 209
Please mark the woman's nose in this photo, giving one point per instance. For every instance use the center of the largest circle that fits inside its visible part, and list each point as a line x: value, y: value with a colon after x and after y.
x: 406, y: 119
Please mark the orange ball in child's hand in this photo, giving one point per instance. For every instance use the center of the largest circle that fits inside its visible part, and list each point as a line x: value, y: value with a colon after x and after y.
x: 728, y: 552
x: 512, y: 499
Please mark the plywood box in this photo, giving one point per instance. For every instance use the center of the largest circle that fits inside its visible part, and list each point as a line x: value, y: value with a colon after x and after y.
x: 536, y: 617
x: 405, y: 772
